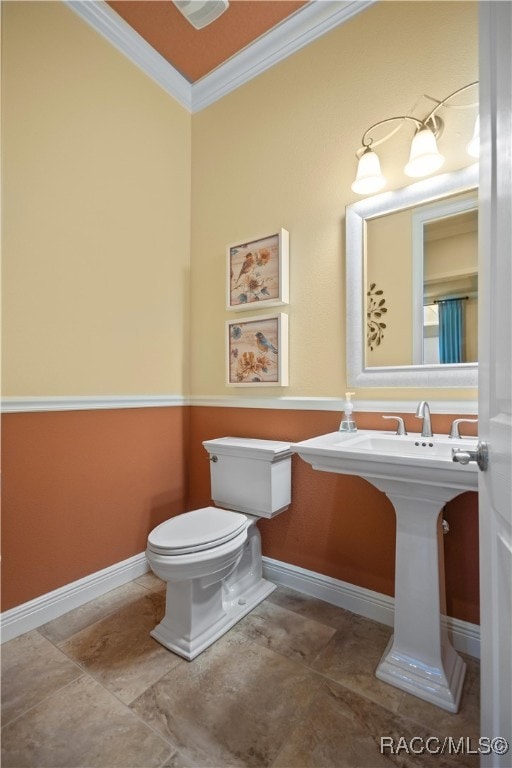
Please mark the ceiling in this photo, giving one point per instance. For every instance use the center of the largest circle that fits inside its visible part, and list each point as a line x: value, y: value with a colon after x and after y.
x: 194, y: 53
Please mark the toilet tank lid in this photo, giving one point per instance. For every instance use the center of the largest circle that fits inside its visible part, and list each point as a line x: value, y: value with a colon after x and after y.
x: 265, y: 450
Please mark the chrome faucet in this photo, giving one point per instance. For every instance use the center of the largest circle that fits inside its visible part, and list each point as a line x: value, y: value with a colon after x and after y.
x: 423, y: 412
x: 455, y: 431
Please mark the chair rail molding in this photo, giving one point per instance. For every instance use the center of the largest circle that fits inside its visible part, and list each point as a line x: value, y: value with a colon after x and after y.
x: 94, y: 402
x: 89, y: 402
x: 332, y: 404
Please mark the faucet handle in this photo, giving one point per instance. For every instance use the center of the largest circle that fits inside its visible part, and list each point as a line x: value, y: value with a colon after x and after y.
x: 400, y: 426
x: 454, y: 431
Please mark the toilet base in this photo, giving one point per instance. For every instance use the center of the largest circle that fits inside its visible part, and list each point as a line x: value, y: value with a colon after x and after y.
x: 233, y: 611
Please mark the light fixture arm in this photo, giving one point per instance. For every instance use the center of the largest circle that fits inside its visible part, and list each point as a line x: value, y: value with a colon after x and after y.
x: 430, y: 121
x: 424, y: 156
x: 444, y: 103
x: 367, y: 140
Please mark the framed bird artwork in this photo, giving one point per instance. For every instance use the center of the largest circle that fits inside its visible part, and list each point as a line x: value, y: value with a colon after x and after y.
x: 257, y: 351
x: 258, y: 272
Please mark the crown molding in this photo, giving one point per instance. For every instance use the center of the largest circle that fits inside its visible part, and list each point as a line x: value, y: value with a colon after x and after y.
x: 305, y: 25
x: 113, y: 28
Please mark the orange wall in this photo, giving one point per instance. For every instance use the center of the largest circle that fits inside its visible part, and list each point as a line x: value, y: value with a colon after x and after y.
x: 338, y: 525
x: 82, y: 490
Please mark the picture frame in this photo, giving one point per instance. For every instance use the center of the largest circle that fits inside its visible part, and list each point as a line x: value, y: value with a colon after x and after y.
x: 258, y: 272
x: 257, y: 351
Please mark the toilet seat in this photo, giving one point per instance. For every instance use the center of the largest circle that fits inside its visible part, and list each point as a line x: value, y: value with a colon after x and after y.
x: 196, y: 531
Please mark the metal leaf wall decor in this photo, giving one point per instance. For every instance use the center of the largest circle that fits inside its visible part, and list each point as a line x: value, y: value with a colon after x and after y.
x: 375, y: 310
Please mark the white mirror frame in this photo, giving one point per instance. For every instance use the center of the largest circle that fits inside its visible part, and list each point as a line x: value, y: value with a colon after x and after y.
x: 460, y: 375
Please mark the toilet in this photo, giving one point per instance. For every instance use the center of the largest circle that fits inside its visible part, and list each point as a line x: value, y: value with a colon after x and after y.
x: 210, y: 558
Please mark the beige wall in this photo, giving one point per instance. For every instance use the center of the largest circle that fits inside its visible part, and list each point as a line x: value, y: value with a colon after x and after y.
x: 96, y: 215
x: 280, y: 152
x: 451, y: 259
x: 98, y: 201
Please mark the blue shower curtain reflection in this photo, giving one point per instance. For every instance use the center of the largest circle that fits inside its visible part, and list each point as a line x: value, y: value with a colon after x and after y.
x: 450, y: 330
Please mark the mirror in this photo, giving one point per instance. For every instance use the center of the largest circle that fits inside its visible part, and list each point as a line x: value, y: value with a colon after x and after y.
x: 412, y: 284
x: 434, y: 248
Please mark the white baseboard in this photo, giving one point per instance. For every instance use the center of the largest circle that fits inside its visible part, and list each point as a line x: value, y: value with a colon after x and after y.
x: 53, y: 604
x: 365, y: 602
x: 373, y: 605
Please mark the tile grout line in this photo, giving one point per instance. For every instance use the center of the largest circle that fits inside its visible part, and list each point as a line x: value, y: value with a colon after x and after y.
x: 45, y: 698
x: 106, y: 615
x: 324, y: 678
x: 298, y: 724
x: 90, y: 674
x: 87, y: 673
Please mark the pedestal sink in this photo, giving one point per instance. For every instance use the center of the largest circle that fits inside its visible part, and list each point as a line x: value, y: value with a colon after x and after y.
x: 419, y: 477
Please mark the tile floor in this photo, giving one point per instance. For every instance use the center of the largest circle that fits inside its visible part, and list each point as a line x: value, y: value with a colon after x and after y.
x: 291, y: 685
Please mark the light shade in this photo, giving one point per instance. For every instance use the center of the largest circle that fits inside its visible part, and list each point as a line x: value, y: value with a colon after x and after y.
x: 200, y: 13
x: 424, y: 157
x: 473, y: 148
x: 369, y: 177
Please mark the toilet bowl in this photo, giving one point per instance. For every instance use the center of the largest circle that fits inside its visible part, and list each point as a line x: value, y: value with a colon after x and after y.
x: 210, y: 558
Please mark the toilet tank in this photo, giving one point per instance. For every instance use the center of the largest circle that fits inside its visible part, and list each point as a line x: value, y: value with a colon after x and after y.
x: 249, y: 475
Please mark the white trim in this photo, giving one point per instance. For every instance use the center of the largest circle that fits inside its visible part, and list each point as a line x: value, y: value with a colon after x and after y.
x: 364, y: 602
x: 47, y: 404
x: 303, y: 27
x: 464, y: 375
x: 113, y: 28
x: 332, y: 404
x: 53, y: 604
x: 373, y: 605
x: 34, y: 404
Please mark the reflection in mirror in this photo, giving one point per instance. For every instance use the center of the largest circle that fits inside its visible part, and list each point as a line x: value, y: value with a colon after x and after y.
x: 412, y: 284
x: 422, y: 264
x: 450, y: 289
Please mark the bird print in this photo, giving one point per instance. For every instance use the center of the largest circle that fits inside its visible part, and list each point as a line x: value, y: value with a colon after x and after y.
x: 264, y: 344
x: 247, y: 264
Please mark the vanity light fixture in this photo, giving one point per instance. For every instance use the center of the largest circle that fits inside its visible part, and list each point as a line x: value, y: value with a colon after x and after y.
x: 200, y: 13
x: 424, y: 157
x: 369, y: 177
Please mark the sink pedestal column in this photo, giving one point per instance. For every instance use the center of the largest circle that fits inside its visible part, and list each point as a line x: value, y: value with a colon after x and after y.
x: 420, y: 658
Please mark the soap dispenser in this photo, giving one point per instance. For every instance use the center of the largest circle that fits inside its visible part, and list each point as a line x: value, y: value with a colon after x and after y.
x: 347, y: 423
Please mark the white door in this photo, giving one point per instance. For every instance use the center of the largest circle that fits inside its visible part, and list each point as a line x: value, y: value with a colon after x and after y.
x: 495, y: 376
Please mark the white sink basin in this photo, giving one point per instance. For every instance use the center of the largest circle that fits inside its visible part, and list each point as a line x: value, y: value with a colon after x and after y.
x: 407, y: 459
x: 419, y: 476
